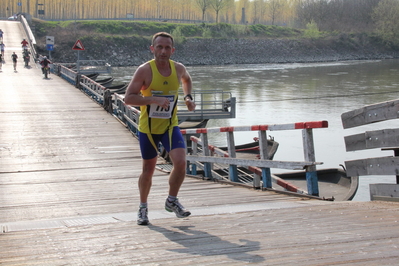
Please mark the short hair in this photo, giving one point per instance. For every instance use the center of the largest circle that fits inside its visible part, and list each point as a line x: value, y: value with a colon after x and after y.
x: 162, y: 34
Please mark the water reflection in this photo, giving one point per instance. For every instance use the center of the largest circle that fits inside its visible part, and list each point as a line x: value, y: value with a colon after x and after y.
x: 287, y: 93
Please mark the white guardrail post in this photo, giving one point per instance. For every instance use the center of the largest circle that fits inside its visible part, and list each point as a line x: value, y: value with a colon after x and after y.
x: 206, y: 152
x: 309, y: 154
x: 263, y: 151
x: 233, y: 174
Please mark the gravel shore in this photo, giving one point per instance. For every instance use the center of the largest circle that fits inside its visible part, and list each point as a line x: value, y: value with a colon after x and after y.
x: 235, y: 51
x: 246, y: 51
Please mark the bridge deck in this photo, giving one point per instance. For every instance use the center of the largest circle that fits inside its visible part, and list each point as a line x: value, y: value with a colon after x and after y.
x: 68, y: 196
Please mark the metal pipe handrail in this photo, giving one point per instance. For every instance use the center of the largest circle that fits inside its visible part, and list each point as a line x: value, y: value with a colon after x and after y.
x: 207, y: 159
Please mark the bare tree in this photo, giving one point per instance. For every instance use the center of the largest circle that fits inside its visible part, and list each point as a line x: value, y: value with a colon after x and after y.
x: 340, y: 15
x: 256, y: 11
x: 386, y: 17
x: 203, y: 5
x: 219, y: 5
x: 274, y: 9
x: 350, y: 16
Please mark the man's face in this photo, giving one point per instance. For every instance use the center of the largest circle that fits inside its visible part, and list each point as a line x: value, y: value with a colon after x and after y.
x: 162, y: 48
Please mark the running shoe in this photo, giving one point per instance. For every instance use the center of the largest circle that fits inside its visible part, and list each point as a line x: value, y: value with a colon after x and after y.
x: 177, y: 208
x: 142, y: 216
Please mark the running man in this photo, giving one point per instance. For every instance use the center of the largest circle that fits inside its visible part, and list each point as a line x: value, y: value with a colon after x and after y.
x: 2, y: 47
x: 14, y: 57
x: 154, y: 87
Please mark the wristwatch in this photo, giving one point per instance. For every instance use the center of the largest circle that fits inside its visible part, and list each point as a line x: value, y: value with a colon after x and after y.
x: 188, y: 96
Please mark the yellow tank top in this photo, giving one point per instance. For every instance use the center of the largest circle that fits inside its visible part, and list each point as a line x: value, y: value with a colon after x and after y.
x: 154, y: 119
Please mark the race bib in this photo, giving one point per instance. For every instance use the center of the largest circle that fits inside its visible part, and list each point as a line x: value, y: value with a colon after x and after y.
x: 157, y: 111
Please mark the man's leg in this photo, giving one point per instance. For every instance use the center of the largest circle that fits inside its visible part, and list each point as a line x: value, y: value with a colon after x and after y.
x: 176, y: 178
x: 145, y: 180
x: 178, y: 173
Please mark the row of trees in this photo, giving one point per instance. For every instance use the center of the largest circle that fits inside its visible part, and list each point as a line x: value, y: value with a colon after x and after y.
x: 329, y: 15
x: 200, y: 10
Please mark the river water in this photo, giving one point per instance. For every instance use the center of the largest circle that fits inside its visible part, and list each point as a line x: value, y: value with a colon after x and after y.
x: 301, y: 92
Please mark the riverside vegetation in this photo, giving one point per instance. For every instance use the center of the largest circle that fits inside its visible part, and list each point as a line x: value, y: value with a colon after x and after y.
x: 126, y: 43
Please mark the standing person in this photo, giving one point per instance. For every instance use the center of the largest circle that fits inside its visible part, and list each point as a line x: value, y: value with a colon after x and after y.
x: 2, y: 46
x: 1, y: 34
x: 14, y: 57
x: 154, y: 87
x: 1, y: 62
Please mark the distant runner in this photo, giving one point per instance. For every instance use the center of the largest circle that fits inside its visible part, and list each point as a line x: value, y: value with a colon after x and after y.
x: 14, y: 57
x: 2, y: 46
x: 24, y: 44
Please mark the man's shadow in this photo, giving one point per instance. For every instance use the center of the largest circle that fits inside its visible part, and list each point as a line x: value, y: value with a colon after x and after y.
x: 204, y: 244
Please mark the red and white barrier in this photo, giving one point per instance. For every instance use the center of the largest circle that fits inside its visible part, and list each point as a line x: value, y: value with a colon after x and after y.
x: 273, y: 127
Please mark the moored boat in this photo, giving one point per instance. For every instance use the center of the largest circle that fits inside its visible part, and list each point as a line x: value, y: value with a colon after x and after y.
x: 92, y: 76
x: 193, y: 124
x: 252, y: 148
x: 121, y: 88
x: 333, y: 183
x: 106, y: 82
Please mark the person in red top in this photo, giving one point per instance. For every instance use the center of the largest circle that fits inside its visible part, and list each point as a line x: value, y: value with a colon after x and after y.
x: 24, y: 44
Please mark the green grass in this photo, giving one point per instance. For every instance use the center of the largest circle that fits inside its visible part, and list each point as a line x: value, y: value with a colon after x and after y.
x: 128, y: 33
x: 131, y: 28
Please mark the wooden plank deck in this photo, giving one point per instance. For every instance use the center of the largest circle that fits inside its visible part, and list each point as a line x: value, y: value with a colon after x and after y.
x: 68, y: 196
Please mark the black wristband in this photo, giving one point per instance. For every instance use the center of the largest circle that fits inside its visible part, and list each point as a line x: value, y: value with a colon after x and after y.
x: 188, y: 96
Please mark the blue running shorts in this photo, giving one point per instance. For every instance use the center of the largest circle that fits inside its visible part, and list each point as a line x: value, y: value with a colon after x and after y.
x: 147, y: 149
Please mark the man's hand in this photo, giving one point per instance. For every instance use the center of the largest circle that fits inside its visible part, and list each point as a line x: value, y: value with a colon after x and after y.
x: 162, y: 101
x: 190, y: 104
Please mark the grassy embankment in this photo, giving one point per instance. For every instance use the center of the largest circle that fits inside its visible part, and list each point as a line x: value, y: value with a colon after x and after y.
x: 101, y: 35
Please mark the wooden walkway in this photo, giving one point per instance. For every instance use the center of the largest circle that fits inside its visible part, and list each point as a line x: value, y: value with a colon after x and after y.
x: 68, y: 196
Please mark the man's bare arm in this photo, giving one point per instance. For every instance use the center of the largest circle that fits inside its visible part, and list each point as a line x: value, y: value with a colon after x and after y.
x: 187, y: 86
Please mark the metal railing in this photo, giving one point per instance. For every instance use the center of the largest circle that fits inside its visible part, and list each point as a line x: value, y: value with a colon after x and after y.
x: 65, y: 73
x: 211, y: 104
x: 259, y: 167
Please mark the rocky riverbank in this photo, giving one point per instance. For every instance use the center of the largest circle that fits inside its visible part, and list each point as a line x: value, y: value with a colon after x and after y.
x: 231, y: 51
x: 247, y: 51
